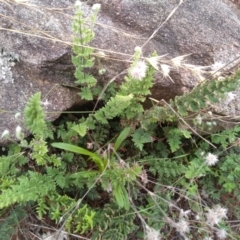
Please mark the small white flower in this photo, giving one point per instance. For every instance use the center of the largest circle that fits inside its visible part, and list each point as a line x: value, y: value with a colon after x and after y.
x: 17, y: 115
x: 138, y: 49
x: 230, y: 96
x: 5, y: 134
x: 221, y: 233
x: 138, y: 71
x: 215, y: 215
x: 18, y: 132
x: 152, y: 234
x: 211, y: 159
x: 78, y: 4
x: 96, y: 7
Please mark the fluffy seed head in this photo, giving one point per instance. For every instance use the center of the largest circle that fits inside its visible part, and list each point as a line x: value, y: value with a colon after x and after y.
x: 221, y: 233
x: 152, y: 234
x: 78, y: 4
x: 96, y: 7
x: 138, y: 71
x: 215, y: 215
x: 211, y: 159
x: 182, y: 226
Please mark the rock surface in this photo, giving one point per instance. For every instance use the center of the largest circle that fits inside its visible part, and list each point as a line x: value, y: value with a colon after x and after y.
x: 35, y: 44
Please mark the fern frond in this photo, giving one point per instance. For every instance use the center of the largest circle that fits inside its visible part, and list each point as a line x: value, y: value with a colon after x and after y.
x: 34, y: 116
x: 114, y: 107
x: 210, y: 91
x: 26, y: 189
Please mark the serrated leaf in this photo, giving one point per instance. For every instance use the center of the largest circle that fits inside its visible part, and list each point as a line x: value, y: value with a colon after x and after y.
x: 140, y: 137
x: 185, y: 133
x: 81, y: 129
x: 86, y: 93
x: 174, y: 143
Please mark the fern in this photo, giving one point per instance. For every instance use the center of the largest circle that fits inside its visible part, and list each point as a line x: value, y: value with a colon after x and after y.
x: 10, y: 164
x: 114, y: 107
x: 42, y: 207
x: 83, y: 219
x: 230, y: 172
x: 139, y: 137
x: 209, y: 91
x: 135, y: 162
x: 60, y: 178
x: 82, y: 59
x: 226, y: 137
x: 167, y: 168
x: 34, y: 116
x: 26, y: 189
x: 113, y: 222
x: 174, y: 136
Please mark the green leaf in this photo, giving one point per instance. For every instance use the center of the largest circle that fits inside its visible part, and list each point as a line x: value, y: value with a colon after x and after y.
x: 86, y: 93
x: 122, y: 136
x: 174, y: 136
x: 196, y: 168
x: 174, y: 143
x: 121, y: 196
x: 34, y: 116
x: 140, y: 137
x: 79, y: 150
x: 81, y: 129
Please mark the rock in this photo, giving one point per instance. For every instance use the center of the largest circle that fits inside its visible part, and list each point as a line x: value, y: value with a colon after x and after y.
x: 36, y: 36
x: 33, y: 59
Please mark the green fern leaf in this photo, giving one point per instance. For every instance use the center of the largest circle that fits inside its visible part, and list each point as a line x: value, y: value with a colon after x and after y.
x: 81, y: 129
x: 140, y: 137
x: 86, y: 93
x: 34, y: 116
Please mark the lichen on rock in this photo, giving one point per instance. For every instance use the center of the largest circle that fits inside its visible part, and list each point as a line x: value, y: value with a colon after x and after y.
x: 7, y: 61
